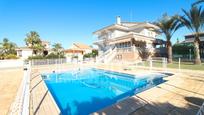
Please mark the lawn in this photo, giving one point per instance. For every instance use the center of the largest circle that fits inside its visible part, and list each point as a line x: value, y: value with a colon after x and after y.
x: 175, y: 65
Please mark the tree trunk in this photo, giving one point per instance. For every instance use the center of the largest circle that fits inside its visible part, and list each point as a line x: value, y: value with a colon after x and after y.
x: 197, y: 51
x: 169, y: 52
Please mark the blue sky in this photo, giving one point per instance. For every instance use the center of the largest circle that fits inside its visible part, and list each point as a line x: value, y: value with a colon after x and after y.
x: 68, y: 21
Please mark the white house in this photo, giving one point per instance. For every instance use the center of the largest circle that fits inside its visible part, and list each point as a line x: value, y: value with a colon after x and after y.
x: 77, y: 50
x: 25, y: 52
x: 127, y: 41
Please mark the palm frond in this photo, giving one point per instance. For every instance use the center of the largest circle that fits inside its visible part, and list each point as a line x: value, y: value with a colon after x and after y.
x: 197, y: 2
x: 193, y: 19
x: 168, y: 25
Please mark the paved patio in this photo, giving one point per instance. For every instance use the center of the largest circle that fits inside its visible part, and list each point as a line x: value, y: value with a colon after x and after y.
x: 182, y: 93
x: 10, y: 80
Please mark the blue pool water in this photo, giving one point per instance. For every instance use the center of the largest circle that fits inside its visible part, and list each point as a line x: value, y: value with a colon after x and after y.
x: 82, y: 92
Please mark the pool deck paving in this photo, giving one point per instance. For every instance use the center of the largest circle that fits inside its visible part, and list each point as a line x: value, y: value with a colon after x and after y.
x: 41, y: 100
x: 180, y: 94
x: 10, y: 80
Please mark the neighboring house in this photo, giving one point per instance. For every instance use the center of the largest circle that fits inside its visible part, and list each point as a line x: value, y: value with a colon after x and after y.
x: 46, y: 44
x: 47, y: 47
x: 128, y: 41
x: 25, y: 52
x: 77, y: 50
x: 190, y: 39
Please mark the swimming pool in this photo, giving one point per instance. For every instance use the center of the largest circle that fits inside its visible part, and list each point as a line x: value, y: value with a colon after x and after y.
x: 88, y: 90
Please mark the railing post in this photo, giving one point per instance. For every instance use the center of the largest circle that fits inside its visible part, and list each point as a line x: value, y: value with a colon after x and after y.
x: 150, y: 64
x: 179, y: 64
x: 164, y: 63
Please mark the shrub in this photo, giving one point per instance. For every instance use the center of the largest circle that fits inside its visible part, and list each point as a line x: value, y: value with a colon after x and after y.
x: 49, y: 56
x: 183, y: 49
x: 36, y: 57
x: 11, y: 56
x: 74, y: 56
x: 89, y: 55
x: 93, y: 54
x: 54, y: 56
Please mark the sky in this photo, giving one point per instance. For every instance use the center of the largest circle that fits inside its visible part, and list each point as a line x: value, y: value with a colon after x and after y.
x: 68, y: 21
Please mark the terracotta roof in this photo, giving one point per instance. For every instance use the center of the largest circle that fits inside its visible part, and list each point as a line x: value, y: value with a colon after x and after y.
x: 73, y: 50
x: 82, y: 46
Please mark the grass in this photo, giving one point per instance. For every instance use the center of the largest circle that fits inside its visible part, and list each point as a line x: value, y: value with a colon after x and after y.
x: 175, y: 65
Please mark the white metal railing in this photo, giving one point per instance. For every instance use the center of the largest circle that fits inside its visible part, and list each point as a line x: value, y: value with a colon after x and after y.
x: 48, y: 61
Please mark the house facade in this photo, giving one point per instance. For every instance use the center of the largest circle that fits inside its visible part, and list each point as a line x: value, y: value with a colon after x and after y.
x: 128, y: 41
x: 77, y: 51
x: 24, y: 52
x: 190, y: 39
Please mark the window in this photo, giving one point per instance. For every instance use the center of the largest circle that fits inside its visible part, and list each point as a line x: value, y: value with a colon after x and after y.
x: 20, y: 53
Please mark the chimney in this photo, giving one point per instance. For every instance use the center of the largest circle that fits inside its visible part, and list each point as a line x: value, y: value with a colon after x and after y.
x: 118, y: 20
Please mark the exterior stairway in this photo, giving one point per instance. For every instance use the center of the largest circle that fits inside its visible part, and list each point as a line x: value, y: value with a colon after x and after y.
x: 120, y: 54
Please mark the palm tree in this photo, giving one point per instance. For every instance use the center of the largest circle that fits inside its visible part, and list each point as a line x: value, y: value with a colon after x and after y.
x: 57, y: 49
x: 194, y: 21
x: 7, y: 47
x: 33, y: 41
x: 168, y: 25
x: 39, y: 48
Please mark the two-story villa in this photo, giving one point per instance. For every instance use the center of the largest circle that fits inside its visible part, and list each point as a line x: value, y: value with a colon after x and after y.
x: 128, y: 41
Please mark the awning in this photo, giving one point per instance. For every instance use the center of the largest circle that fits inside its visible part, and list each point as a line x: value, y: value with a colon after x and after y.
x: 120, y: 41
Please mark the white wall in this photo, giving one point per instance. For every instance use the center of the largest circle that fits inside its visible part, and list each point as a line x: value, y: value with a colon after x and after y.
x: 112, y: 34
x: 24, y: 53
x: 117, y: 33
x: 148, y: 33
x: 87, y: 51
x: 11, y: 63
x: 70, y: 55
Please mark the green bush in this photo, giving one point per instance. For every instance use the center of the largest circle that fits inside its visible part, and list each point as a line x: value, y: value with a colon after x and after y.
x: 74, y: 56
x: 89, y: 55
x: 54, y: 56
x: 49, y: 56
x: 36, y: 57
x: 93, y: 54
x: 183, y: 49
x: 11, y: 56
